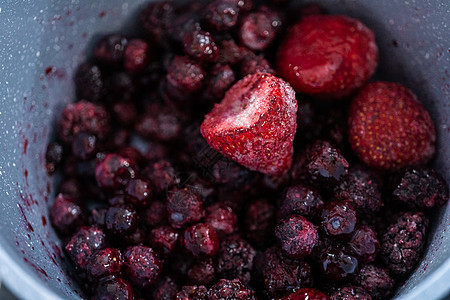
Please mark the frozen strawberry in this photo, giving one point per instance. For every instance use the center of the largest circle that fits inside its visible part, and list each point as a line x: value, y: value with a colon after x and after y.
x: 255, y: 124
x: 327, y: 56
x: 389, y: 128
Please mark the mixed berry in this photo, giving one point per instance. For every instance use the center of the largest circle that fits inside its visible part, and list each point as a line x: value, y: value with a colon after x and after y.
x: 236, y: 151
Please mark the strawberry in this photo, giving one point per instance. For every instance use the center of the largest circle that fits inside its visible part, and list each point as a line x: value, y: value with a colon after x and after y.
x: 389, y: 128
x: 327, y: 56
x: 255, y: 124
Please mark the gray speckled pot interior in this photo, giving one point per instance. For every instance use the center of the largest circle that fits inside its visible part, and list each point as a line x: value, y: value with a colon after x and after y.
x: 414, y: 39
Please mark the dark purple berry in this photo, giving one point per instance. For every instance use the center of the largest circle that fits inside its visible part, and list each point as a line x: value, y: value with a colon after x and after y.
x: 139, y: 191
x: 337, y: 263
x: 89, y: 82
x: 351, y: 293
x: 136, y: 56
x: 220, y: 79
x: 105, y: 262
x: 84, y: 146
x: 222, y: 15
x: 301, y: 200
x: 338, y: 219
x: 113, y: 288
x: 110, y: 49
x: 125, y: 113
x: 83, y: 244
x: 156, y: 214
x: 364, y: 244
x: 184, y: 207
x: 163, y: 175
x: 200, y: 45
x: 376, y: 281
x: 142, y: 265
x: 120, y: 221
x: 222, y: 218
x: 164, y: 239
x: 165, y: 289
x: 193, y: 292
x: 156, y: 19
x: 201, y: 240
x: 66, y: 214
x: 202, y: 272
x: 252, y: 64
x: 230, y: 290
x: 114, y: 172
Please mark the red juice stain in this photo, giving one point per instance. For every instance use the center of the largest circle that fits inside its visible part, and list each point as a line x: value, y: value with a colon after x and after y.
x: 29, y: 236
x: 37, y: 268
x: 25, y: 146
x: 26, y: 176
x: 58, y: 279
x: 34, y: 137
x: 22, y: 251
x: 44, y: 221
x: 48, y: 70
x: 17, y: 243
x: 102, y: 14
x: 28, y: 227
x: 69, y: 12
x: 84, y: 35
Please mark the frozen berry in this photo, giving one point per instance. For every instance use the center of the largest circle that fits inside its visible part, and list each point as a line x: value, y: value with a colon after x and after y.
x: 66, y: 214
x: 84, y: 146
x: 162, y: 174
x: 248, y: 118
x: 337, y: 263
x: 136, y: 56
x: 119, y: 86
x: 235, y: 259
x: 89, y: 82
x: 184, y: 77
x: 120, y: 221
x: 114, y: 171
x: 403, y: 242
x: 53, y: 156
x: 202, y: 272
x: 422, y: 189
x: 364, y: 243
x: 165, y: 289
x: 376, y: 281
x: 139, y: 192
x: 83, y: 244
x: 142, y: 265
x: 220, y: 79
x: 222, y: 218
x: 105, y: 262
x: 110, y: 49
x: 201, y: 240
x: 351, y: 293
x: 361, y: 188
x: 311, y: 9
x: 113, y: 288
x: 259, y: 222
x: 184, y: 207
x: 230, y: 290
x: 258, y: 29
x: 230, y: 53
x: 193, y: 292
x: 155, y: 19
x: 325, y: 165
x: 338, y: 219
x: 327, y: 56
x: 297, y: 236
x: 200, y: 45
x: 306, y: 294
x: 163, y: 239
x: 389, y: 128
x: 283, y: 275
x: 222, y: 15
x: 156, y: 214
x: 83, y: 117
x: 252, y: 64
x: 301, y: 200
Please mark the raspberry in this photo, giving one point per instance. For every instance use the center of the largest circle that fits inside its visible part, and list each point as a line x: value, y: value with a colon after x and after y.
x: 360, y: 187
x: 83, y: 117
x: 142, y: 265
x: 105, y: 262
x: 338, y: 219
x: 422, y: 189
x: 164, y: 239
x: 297, y: 236
x: 202, y: 272
x: 184, y: 207
x: 403, y: 242
x: 259, y: 29
x: 283, y: 275
x: 200, y: 45
x: 259, y: 222
x: 136, y: 56
x: 110, y: 49
x: 301, y: 200
x: 364, y: 244
x: 193, y: 292
x: 337, y: 263
x: 389, y: 128
x: 376, y: 281
x: 89, y: 82
x: 222, y: 15
x: 306, y: 294
x: 351, y: 293
x: 222, y: 218
x: 248, y: 118
x: 66, y: 214
x: 113, y: 288
x: 83, y: 244
x: 114, y: 172
x: 327, y: 56
x: 235, y: 259
x: 201, y: 240
x: 121, y: 221
x: 230, y: 290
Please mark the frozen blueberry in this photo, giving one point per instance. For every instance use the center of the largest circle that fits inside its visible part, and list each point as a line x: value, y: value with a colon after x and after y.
x: 142, y: 265
x: 184, y: 207
x: 114, y: 172
x: 66, y: 214
x: 201, y: 240
x: 338, y: 219
x: 121, y: 221
x: 364, y: 243
x: 164, y: 239
x: 337, y: 263
x: 222, y: 218
x: 83, y: 244
x: 301, y: 200
x: 113, y: 288
x: 105, y: 262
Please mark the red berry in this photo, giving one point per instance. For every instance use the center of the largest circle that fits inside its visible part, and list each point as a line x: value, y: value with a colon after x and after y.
x: 338, y: 219
x: 164, y: 239
x: 327, y: 56
x: 389, y: 128
x: 364, y: 243
x: 136, y: 56
x: 201, y: 240
x: 142, y: 265
x: 139, y: 191
x: 337, y: 264
x: 105, y: 262
x: 222, y: 218
x: 114, y: 171
x: 83, y: 244
x: 66, y: 214
x: 184, y: 207
x: 255, y: 124
x: 306, y: 294
x: 200, y: 45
